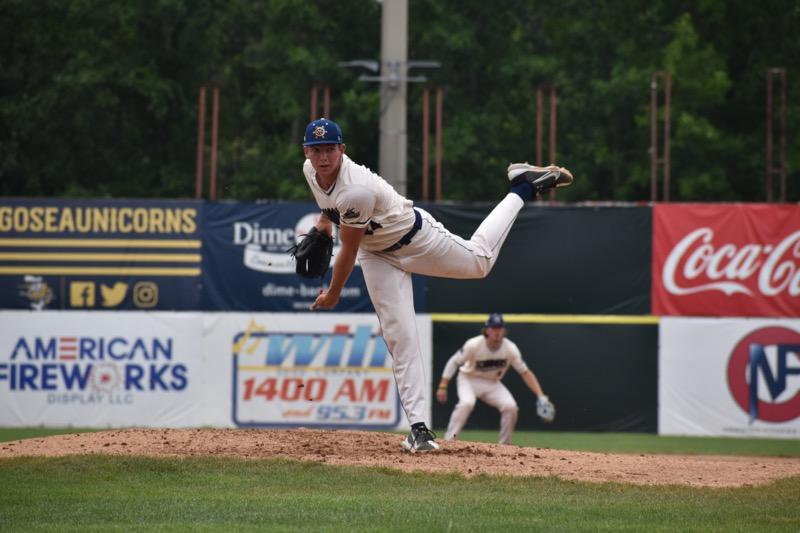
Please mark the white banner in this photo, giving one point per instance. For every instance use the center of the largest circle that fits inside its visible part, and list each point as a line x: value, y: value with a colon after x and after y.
x: 107, y: 369
x: 310, y: 369
x: 729, y: 377
x: 159, y: 369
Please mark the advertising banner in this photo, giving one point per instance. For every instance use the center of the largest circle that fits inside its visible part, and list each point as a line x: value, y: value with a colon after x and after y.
x: 93, y: 369
x: 158, y: 369
x: 247, y: 265
x: 729, y: 377
x: 556, y: 260
x: 726, y: 260
x: 100, y: 254
x: 310, y: 370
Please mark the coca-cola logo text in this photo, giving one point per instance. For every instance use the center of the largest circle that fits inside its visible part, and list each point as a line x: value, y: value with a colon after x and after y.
x: 697, y: 264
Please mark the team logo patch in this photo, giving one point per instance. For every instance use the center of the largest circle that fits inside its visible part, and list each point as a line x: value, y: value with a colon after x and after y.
x: 320, y: 132
x: 37, y: 291
x: 351, y: 213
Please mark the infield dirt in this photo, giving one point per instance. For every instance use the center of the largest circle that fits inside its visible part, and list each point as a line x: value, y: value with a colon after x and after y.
x: 375, y: 449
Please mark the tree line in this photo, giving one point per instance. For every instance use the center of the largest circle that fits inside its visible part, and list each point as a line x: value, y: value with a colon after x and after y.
x: 99, y: 98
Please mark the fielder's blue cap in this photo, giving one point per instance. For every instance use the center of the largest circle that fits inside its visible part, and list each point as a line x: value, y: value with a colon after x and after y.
x: 495, y: 320
x: 322, y: 131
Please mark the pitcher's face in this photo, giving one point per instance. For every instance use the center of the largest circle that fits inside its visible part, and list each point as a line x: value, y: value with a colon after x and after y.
x: 326, y: 159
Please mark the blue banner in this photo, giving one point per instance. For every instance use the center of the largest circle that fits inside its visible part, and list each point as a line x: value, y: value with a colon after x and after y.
x: 246, y: 264
x: 100, y: 254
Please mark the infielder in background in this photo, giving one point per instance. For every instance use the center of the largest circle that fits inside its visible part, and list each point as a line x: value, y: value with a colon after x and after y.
x: 481, y: 364
x: 392, y: 239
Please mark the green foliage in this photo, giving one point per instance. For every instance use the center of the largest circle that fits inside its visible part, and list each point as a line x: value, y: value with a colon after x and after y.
x: 100, y: 98
x: 134, y: 493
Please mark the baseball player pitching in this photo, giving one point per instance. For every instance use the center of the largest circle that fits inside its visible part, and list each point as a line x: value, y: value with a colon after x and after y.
x: 393, y: 239
x: 481, y: 364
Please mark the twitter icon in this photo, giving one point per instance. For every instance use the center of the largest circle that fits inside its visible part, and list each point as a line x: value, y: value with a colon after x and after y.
x: 113, y: 296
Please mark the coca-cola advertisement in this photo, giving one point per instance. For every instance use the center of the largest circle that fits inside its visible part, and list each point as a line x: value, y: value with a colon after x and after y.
x: 726, y: 260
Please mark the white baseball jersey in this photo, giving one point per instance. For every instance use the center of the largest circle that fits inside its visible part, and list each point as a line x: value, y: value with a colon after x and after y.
x: 359, y: 198
x: 476, y: 359
x: 480, y: 372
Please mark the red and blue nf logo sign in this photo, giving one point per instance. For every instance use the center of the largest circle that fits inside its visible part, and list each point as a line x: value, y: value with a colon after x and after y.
x: 764, y: 374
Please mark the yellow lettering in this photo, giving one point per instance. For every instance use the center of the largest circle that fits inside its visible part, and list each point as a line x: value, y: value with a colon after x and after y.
x: 156, y: 220
x: 50, y: 219
x: 37, y: 224
x: 6, y: 218
x: 189, y: 222
x: 90, y: 219
x: 21, y: 219
x: 99, y: 219
x: 82, y: 220
x: 123, y: 217
x: 173, y: 221
x: 67, y: 221
x: 140, y: 220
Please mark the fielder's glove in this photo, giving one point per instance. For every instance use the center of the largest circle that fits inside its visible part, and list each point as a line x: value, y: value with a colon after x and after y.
x: 545, y: 409
x: 313, y: 254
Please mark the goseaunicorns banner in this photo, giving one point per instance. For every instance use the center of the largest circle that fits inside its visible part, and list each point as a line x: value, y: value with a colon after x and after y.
x: 726, y: 260
x: 100, y: 254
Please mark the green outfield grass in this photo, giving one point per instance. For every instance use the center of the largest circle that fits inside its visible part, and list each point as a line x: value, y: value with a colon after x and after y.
x: 7, y: 434
x: 97, y: 493
x: 643, y: 443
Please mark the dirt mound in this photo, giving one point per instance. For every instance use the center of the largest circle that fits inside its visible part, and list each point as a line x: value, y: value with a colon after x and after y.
x: 362, y: 448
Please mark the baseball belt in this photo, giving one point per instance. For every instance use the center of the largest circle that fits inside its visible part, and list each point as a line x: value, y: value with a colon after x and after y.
x: 406, y: 239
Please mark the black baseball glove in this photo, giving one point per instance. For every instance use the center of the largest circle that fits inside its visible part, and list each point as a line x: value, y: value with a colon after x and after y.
x: 313, y: 254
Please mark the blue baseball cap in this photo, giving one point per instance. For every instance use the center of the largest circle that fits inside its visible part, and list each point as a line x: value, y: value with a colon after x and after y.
x: 495, y: 320
x: 322, y: 131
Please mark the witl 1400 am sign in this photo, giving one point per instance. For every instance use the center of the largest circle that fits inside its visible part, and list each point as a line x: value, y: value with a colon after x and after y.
x: 726, y: 260
x: 315, y: 370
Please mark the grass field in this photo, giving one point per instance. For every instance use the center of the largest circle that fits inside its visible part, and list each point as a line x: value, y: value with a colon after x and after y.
x: 97, y: 493
x: 645, y: 443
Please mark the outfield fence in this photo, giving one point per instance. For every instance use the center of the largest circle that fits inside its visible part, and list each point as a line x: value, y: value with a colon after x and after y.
x: 669, y: 318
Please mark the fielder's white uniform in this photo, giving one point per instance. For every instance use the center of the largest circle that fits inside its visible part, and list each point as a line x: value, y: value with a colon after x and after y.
x: 360, y: 198
x: 480, y: 370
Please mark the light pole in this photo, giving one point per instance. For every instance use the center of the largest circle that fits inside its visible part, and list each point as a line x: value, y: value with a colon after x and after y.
x: 393, y: 75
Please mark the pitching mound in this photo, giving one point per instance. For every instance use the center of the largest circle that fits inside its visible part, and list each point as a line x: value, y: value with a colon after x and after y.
x: 361, y: 448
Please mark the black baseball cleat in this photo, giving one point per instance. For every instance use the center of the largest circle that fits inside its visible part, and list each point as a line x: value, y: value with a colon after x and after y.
x: 420, y: 440
x: 541, y: 178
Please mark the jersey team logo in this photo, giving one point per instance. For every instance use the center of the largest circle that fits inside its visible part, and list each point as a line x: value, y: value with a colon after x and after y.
x: 764, y: 374
x: 351, y: 214
x: 320, y: 132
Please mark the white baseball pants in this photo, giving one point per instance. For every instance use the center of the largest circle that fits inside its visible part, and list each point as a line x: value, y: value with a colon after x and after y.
x: 433, y: 251
x: 491, y: 391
